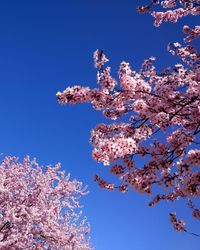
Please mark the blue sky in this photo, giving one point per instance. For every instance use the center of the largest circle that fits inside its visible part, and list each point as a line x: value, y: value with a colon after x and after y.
x: 47, y: 45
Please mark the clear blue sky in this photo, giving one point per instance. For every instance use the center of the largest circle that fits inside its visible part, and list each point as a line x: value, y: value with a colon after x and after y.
x: 46, y: 45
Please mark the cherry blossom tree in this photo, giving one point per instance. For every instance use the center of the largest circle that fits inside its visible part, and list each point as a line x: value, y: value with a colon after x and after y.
x: 164, y: 118
x: 38, y: 208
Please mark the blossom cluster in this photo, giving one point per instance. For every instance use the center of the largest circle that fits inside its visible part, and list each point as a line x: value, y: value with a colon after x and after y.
x: 164, y: 124
x: 179, y: 225
x: 156, y: 105
x: 178, y: 9
x: 39, y: 208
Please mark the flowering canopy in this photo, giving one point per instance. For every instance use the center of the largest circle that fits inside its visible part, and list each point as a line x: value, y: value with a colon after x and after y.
x: 38, y: 208
x: 164, y: 124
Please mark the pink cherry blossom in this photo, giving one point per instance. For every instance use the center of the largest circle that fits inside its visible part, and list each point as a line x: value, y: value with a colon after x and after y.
x: 39, y: 208
x: 179, y: 225
x: 180, y: 8
x: 191, y: 33
x: 164, y: 118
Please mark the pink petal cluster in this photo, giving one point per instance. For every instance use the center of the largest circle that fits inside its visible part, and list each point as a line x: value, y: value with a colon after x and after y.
x: 99, y: 59
x: 196, y: 213
x: 169, y: 16
x: 191, y: 33
x: 188, y: 54
x: 163, y: 129
x: 74, y: 95
x: 179, y: 140
x: 166, y: 103
x: 39, y: 208
x: 168, y: 3
x: 104, y: 184
x: 192, y: 159
x: 179, y: 9
x: 179, y: 225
